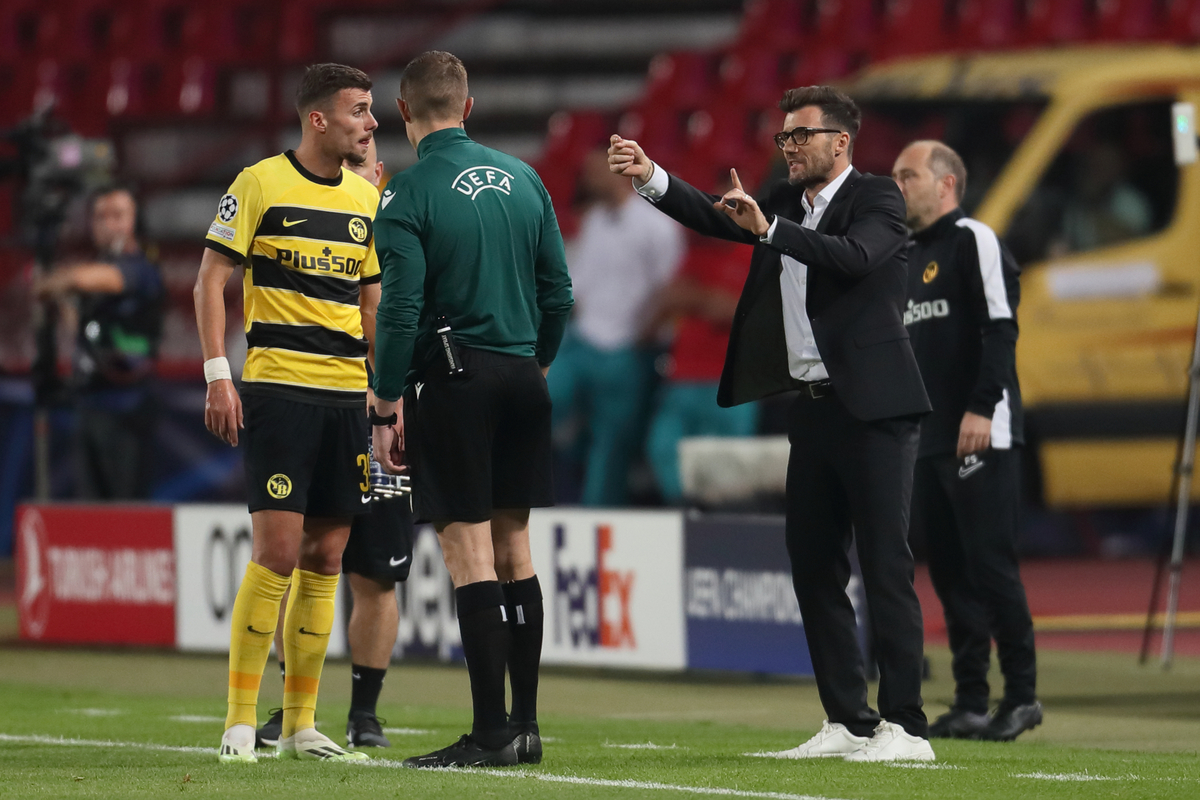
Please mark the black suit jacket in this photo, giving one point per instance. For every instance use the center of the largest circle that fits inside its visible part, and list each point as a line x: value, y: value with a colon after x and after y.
x: 857, y: 287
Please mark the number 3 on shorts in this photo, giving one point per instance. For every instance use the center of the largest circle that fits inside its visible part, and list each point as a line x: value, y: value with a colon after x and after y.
x: 364, y: 461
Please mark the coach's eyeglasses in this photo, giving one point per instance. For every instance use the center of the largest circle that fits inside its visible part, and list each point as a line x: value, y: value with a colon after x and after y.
x: 800, y: 136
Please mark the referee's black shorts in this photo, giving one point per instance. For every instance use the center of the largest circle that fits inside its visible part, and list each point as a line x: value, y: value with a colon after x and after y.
x: 304, y: 457
x: 479, y: 441
x: 381, y: 542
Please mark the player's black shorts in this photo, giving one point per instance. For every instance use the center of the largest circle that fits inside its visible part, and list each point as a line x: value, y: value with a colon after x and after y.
x: 480, y: 441
x: 304, y: 457
x: 381, y: 542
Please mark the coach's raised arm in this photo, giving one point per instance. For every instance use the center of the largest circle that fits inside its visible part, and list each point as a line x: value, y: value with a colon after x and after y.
x: 822, y: 313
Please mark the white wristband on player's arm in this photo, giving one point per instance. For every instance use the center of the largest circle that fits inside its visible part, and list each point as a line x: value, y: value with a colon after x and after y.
x: 217, y: 369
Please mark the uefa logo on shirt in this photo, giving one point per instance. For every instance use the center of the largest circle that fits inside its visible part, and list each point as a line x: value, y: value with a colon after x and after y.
x: 472, y: 182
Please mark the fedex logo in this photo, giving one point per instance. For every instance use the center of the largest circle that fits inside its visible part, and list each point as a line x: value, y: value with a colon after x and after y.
x: 593, y: 605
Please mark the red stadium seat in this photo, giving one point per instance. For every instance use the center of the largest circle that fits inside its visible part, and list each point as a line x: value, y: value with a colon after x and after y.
x: 1130, y: 20
x: 660, y: 132
x: 298, y: 30
x: 987, y: 25
x: 680, y: 80
x: 569, y: 137
x: 1183, y: 21
x: 823, y: 64
x: 848, y: 24
x: 571, y: 134
x: 752, y: 77
x: 910, y: 27
x: 1057, y: 21
x: 776, y: 24
x: 719, y: 134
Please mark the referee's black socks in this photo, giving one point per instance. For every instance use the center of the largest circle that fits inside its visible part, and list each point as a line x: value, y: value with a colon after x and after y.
x: 486, y: 642
x: 523, y: 602
x: 365, y: 685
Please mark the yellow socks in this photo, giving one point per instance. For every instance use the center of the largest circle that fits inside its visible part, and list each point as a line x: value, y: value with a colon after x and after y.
x: 255, y: 615
x: 306, y: 629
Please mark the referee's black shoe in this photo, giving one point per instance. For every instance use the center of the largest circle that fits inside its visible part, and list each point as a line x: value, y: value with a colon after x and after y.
x: 272, y: 729
x: 466, y: 752
x: 529, y: 747
x: 365, y: 730
x: 958, y: 723
x: 1009, y: 721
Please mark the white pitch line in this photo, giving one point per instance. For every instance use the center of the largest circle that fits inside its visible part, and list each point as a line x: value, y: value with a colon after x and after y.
x: 93, y: 712
x: 615, y: 784
x: 194, y: 718
x: 62, y: 740
x: 386, y: 763
x: 643, y: 746
x: 408, y: 731
x: 1075, y: 776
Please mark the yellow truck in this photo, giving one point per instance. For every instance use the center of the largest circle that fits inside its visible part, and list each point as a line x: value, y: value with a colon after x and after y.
x: 1072, y: 160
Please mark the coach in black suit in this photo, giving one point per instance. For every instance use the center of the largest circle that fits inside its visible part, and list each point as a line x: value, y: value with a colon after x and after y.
x: 822, y: 312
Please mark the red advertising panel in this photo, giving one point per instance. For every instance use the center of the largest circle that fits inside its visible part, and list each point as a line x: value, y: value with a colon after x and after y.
x: 96, y: 574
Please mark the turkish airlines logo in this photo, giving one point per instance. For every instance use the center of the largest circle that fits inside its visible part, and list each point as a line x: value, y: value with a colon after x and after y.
x: 53, y: 574
x: 34, y: 572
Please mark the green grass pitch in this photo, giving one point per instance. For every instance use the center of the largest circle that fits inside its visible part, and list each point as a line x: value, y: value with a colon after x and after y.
x: 102, y: 724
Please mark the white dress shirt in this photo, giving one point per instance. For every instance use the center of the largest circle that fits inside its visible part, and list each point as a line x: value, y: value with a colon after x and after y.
x: 621, y: 258
x: 804, y: 360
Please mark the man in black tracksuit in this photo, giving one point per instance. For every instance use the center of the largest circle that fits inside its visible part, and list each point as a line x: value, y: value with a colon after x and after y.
x: 961, y: 317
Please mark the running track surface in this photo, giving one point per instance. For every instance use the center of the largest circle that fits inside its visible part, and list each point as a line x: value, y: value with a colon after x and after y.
x: 1099, y: 597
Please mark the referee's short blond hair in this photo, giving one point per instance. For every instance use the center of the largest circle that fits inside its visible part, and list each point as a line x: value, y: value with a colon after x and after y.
x: 434, y: 86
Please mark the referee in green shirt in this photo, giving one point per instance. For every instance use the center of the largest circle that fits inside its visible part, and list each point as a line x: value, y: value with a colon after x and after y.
x: 475, y: 299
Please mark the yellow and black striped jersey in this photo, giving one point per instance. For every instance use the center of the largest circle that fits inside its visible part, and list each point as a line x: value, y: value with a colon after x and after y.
x: 306, y: 243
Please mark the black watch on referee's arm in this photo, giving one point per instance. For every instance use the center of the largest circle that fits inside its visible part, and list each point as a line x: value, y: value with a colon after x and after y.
x: 378, y: 421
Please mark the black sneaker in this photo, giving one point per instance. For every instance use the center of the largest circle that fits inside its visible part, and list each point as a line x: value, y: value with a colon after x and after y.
x: 366, y: 730
x: 1010, y: 721
x: 466, y: 752
x: 272, y: 729
x: 958, y: 723
x: 528, y: 745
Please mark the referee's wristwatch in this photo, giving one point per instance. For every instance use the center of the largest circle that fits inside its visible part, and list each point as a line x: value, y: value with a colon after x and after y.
x: 378, y: 421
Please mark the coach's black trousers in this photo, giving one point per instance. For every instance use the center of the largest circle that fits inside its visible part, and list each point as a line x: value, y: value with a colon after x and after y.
x: 848, y: 478
x: 969, y: 513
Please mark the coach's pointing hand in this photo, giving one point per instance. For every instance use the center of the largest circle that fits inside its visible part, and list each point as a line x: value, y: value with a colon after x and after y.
x: 741, y: 208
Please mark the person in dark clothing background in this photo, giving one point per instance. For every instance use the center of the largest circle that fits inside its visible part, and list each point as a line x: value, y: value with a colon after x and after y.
x: 961, y: 315
x: 120, y: 298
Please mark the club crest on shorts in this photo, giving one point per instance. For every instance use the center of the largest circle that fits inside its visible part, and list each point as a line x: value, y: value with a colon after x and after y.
x: 279, y: 486
x: 931, y: 271
x: 358, y: 229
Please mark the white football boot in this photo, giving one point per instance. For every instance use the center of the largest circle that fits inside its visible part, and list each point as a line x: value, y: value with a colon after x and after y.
x: 237, y: 745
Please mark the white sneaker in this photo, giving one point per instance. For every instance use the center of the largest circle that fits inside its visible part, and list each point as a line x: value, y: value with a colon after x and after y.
x: 237, y: 745
x: 309, y: 744
x: 891, y: 743
x: 833, y: 740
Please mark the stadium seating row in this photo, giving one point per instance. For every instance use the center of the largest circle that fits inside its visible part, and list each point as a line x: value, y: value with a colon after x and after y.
x: 704, y: 110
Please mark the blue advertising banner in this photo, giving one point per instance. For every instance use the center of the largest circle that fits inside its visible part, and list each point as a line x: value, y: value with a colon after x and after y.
x: 739, y: 603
